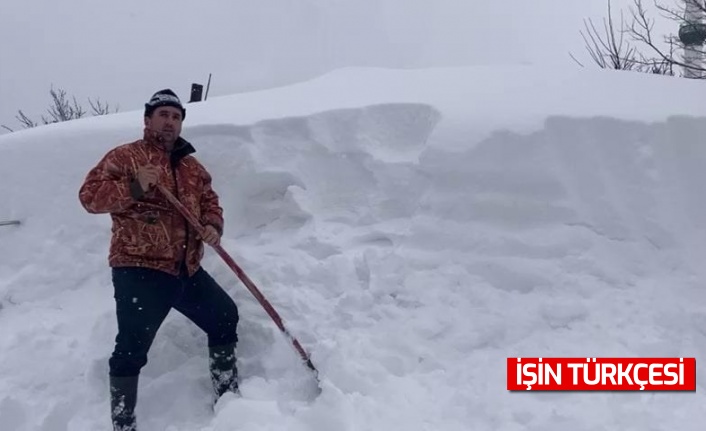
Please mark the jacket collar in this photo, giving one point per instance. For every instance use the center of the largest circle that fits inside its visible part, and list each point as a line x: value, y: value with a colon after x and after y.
x: 182, y: 147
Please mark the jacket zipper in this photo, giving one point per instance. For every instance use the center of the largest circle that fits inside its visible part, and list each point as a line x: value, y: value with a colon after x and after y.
x: 183, y: 263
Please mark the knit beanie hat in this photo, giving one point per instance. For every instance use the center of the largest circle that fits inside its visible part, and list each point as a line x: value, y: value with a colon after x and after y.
x: 164, y: 97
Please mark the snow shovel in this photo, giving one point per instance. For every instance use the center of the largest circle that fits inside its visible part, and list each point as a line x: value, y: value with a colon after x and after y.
x: 246, y: 281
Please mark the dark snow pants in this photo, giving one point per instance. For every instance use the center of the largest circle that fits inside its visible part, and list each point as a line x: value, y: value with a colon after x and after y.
x: 144, y: 297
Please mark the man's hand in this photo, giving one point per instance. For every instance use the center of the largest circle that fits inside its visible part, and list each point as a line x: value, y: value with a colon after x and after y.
x: 147, y: 176
x: 211, y: 236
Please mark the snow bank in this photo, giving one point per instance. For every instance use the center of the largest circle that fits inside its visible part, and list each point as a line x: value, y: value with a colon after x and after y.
x: 414, y: 229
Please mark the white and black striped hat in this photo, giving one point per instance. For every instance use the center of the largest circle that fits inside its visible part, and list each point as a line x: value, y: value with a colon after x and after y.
x: 164, y: 98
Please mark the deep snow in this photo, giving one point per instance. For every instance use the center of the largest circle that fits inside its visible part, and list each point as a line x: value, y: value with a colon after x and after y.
x: 413, y: 228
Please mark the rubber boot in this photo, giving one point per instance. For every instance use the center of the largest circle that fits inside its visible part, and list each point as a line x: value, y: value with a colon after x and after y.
x: 223, y: 369
x: 123, y: 398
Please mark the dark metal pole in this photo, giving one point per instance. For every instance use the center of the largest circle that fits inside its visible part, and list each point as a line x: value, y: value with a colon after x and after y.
x: 208, y: 86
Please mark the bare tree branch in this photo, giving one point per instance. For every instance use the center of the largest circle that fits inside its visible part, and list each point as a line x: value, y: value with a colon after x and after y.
x: 25, y: 120
x: 642, y: 27
x: 63, y: 109
x: 669, y: 13
x: 100, y: 108
x: 576, y: 60
x: 677, y: 14
x: 608, y: 47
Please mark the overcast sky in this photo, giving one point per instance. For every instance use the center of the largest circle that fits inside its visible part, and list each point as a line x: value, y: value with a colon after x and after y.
x: 123, y: 51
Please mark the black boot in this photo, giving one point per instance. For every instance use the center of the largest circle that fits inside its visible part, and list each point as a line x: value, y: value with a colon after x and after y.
x: 224, y: 372
x: 123, y: 398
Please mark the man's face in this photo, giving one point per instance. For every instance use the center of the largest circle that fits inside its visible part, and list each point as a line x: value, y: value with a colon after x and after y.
x: 166, y: 121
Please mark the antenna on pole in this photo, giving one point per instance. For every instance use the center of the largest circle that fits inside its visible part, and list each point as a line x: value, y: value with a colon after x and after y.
x: 692, y: 33
x: 208, y: 86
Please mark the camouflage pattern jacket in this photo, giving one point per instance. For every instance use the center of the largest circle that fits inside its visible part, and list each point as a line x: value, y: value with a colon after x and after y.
x: 147, y: 230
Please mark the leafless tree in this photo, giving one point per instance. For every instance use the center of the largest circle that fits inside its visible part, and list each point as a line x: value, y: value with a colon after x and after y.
x: 62, y: 108
x: 24, y: 120
x: 661, y: 65
x: 608, y: 47
x: 100, y: 108
x: 616, y: 45
x: 642, y: 30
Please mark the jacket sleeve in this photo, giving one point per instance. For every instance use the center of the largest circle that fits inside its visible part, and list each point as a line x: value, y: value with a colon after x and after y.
x: 211, y: 211
x: 109, y: 187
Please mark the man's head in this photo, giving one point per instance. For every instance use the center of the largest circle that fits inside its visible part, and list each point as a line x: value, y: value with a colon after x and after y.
x: 164, y: 114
